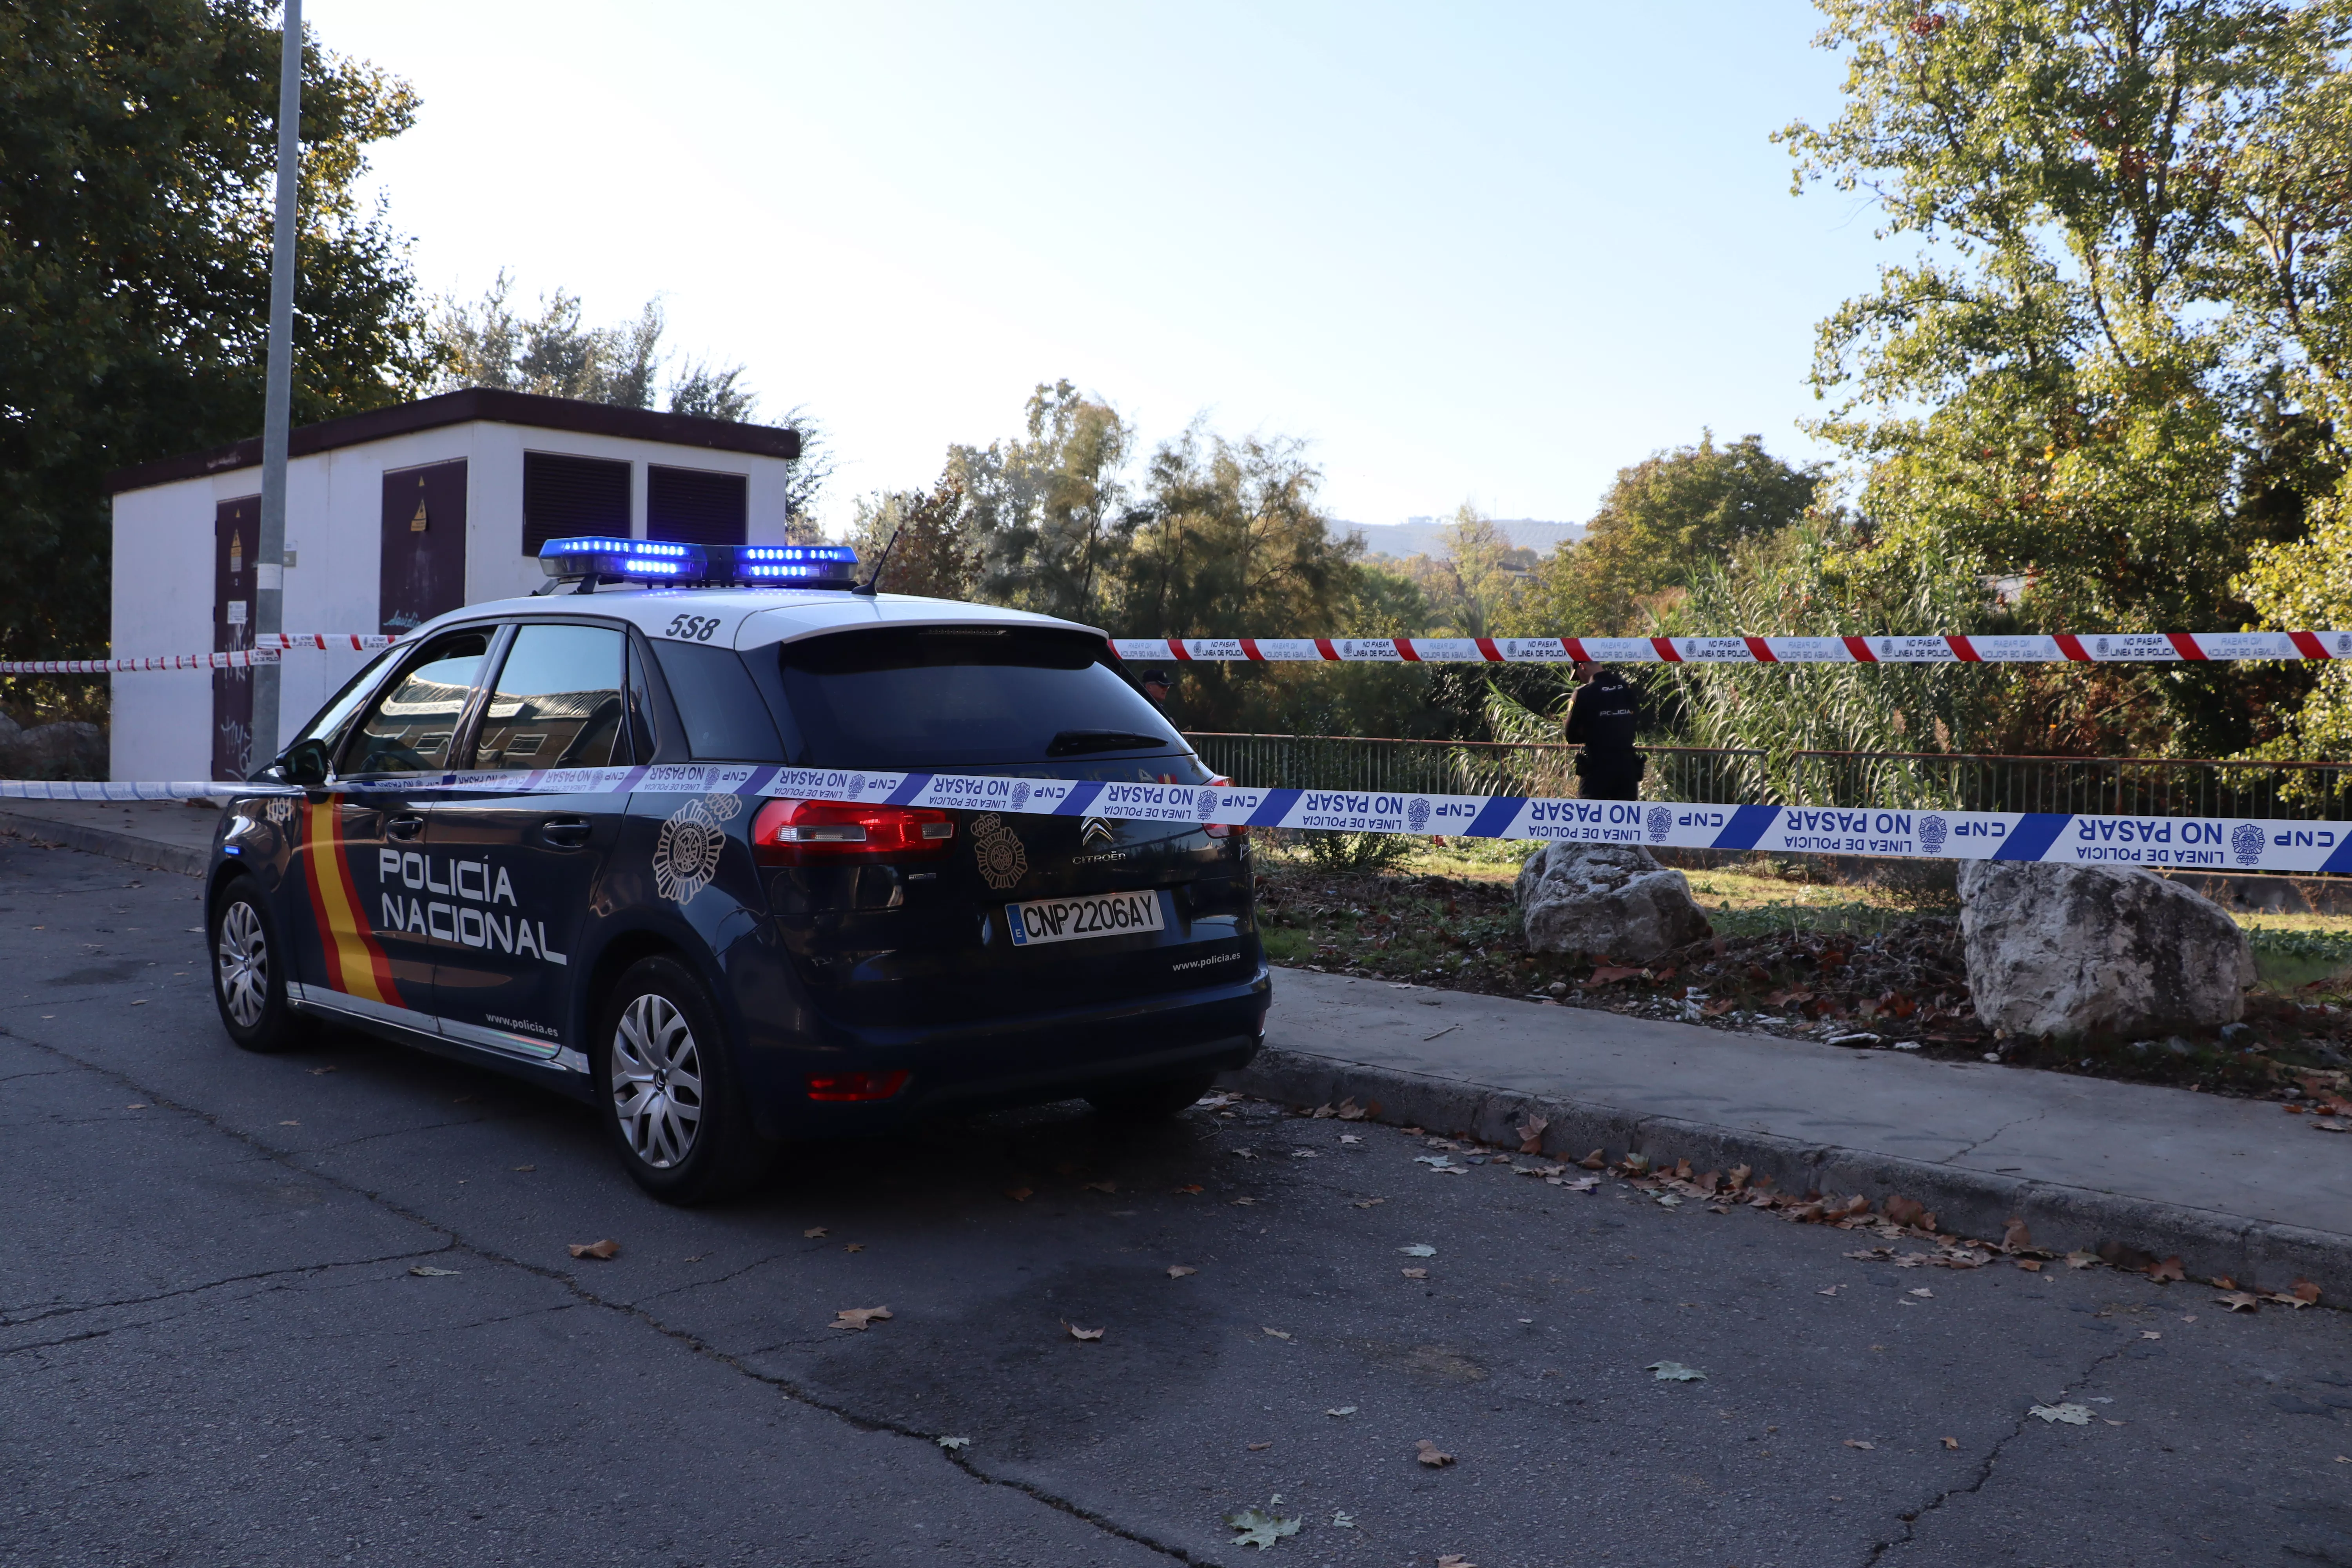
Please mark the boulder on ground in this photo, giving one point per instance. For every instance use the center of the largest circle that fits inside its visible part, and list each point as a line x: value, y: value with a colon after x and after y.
x: 67, y: 750
x: 1612, y: 898
x: 2068, y: 950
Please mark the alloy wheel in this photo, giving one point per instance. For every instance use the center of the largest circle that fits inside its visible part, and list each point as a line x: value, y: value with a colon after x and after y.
x: 243, y: 954
x: 657, y: 1073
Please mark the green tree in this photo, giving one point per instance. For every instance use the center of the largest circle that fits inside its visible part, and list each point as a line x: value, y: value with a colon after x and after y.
x: 1474, y: 586
x: 928, y: 536
x: 1666, y: 518
x: 137, y: 166
x: 1049, y: 512
x: 2127, y: 221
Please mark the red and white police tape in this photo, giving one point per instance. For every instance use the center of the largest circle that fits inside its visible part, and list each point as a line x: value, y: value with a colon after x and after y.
x: 2115, y: 648
x: 2205, y: 843
x: 2064, y: 648
x: 268, y: 648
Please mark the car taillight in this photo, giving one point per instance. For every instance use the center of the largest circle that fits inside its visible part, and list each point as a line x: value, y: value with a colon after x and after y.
x: 856, y: 1085
x: 824, y: 832
x: 1224, y: 829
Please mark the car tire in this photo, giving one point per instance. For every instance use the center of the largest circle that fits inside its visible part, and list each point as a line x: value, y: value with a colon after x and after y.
x: 666, y: 1089
x: 1153, y: 1101
x: 249, y: 972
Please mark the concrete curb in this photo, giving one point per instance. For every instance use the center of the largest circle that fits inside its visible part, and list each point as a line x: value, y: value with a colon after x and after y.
x: 2254, y: 1253
x: 116, y: 846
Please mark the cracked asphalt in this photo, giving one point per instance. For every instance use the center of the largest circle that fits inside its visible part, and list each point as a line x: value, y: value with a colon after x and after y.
x: 214, y: 1347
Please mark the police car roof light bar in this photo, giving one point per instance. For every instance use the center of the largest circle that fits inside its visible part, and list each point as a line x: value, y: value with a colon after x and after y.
x: 785, y: 565
x: 593, y: 559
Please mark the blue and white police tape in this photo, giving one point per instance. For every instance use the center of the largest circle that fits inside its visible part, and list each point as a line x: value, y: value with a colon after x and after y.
x: 2205, y: 843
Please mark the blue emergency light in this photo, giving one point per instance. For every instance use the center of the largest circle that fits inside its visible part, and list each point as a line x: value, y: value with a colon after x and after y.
x: 659, y: 562
x: 789, y: 565
x: 628, y: 559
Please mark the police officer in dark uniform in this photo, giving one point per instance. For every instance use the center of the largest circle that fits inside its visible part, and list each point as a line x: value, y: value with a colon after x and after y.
x: 1602, y: 718
x: 1156, y: 684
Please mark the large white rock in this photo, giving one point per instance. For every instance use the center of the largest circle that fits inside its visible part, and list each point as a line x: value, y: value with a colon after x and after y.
x: 2076, y: 950
x: 1612, y: 898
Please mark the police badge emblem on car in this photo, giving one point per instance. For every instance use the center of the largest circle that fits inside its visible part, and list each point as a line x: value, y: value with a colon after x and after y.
x: 1002, y: 859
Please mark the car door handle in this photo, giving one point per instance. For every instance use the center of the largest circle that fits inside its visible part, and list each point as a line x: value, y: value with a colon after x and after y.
x: 565, y: 832
x: 405, y: 828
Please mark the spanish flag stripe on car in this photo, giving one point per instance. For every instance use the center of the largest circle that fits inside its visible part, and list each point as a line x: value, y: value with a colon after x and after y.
x: 356, y: 963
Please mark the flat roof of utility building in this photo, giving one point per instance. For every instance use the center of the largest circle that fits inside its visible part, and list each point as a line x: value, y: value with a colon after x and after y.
x: 474, y: 403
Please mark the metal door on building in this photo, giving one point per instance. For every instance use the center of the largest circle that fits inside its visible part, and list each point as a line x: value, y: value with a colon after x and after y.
x: 236, y: 530
x: 424, y: 545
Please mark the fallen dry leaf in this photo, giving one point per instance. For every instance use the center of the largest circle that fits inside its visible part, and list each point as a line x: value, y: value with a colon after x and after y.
x: 854, y: 1246
x: 1277, y: 1333
x: 1611, y: 973
x: 1351, y: 1112
x: 1596, y: 1161
x: 1414, y: 1273
x: 2305, y: 1292
x: 1342, y: 1410
x: 1951, y: 1442
x: 1254, y: 1447
x: 2031, y: 1265
x: 1098, y: 1187
x: 2149, y: 1334
x: 1258, y: 1528
x: 2082, y: 1259
x: 858, y: 1317
x: 1831, y: 1290
x: 1453, y: 1559
x: 1905, y: 1211
x: 1019, y: 1196
x: 598, y: 1249
x: 1078, y: 1334
x: 953, y: 1444
x: 1676, y: 1371
x: 2016, y: 1235
x: 2167, y: 1271
x: 1419, y: 1250
x: 812, y: 1232
x: 2242, y: 1301
x: 1858, y: 1443
x: 1243, y: 1202
x: 1190, y: 1187
x: 2071, y: 1414
x: 1178, y: 1270
x: 1368, y: 1202
x: 1427, y: 1453
x: 1532, y: 1133
x: 426, y: 1272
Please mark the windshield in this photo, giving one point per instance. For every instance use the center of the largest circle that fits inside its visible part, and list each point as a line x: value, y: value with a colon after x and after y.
x: 941, y: 699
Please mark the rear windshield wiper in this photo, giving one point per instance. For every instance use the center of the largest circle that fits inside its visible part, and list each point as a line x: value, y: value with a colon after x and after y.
x: 1069, y: 742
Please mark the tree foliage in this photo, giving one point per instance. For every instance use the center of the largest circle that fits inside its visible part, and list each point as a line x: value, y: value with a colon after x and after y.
x: 138, y: 164
x: 1666, y: 518
x: 2113, y: 362
x: 553, y: 351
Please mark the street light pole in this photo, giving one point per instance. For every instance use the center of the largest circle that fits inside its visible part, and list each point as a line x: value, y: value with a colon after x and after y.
x: 270, y: 552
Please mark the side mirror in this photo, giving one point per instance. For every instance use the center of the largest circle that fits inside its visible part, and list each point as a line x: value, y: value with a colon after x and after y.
x: 305, y: 763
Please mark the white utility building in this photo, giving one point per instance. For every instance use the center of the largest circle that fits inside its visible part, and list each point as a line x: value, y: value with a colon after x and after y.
x: 394, y: 517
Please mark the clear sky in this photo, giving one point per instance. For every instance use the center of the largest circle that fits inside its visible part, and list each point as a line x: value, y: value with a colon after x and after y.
x: 1478, y: 252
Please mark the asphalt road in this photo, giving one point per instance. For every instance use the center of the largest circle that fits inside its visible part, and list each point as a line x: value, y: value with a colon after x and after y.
x: 214, y: 1347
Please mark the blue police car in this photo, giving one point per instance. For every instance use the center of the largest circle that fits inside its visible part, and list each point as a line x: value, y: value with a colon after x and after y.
x: 720, y: 968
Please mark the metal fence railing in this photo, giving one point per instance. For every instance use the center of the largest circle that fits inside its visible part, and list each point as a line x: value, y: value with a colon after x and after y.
x: 2142, y: 786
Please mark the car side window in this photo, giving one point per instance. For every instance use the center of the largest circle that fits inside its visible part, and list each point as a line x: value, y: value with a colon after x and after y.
x: 407, y: 729
x: 556, y: 701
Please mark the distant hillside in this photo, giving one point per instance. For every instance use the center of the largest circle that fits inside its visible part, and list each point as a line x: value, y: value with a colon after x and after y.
x: 1426, y: 535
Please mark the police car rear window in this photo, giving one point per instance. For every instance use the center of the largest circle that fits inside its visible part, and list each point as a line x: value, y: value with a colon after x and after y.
x: 725, y: 718
x: 949, y: 698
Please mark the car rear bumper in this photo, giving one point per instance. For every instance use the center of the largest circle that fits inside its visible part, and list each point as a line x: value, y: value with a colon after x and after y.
x: 1044, y: 1054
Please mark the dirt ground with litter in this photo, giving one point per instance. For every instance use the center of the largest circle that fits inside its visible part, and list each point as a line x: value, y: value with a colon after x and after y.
x: 1894, y: 981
